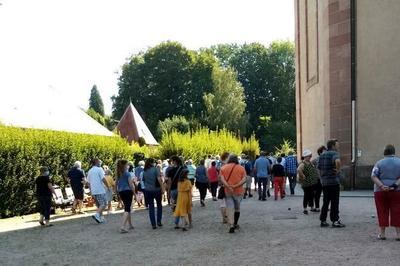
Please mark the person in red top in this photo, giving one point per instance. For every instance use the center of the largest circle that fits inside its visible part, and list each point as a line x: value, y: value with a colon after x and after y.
x: 212, y: 173
x: 233, y: 176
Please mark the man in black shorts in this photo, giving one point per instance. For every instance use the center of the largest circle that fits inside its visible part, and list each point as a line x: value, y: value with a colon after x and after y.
x: 77, y: 179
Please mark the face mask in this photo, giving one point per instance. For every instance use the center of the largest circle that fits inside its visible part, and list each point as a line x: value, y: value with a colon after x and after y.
x: 46, y: 173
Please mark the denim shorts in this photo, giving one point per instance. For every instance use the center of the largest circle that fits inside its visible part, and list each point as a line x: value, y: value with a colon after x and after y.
x: 249, y: 179
x: 100, y: 200
x: 109, y: 194
x: 233, y: 202
x: 174, y: 194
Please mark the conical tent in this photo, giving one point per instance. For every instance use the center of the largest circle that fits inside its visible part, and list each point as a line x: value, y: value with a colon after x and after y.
x: 132, y: 127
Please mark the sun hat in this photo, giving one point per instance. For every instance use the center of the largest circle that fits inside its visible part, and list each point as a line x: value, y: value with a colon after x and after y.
x: 307, y: 153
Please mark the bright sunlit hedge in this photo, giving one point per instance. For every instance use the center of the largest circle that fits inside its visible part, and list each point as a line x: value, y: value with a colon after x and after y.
x: 196, y: 145
x: 24, y: 151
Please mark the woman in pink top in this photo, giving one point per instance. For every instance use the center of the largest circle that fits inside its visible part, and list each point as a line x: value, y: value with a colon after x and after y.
x: 212, y: 173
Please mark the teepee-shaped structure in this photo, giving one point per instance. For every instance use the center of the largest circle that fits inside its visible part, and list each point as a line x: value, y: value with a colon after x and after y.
x: 132, y: 127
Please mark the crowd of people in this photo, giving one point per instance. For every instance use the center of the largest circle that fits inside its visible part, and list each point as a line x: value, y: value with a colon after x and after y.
x: 229, y: 179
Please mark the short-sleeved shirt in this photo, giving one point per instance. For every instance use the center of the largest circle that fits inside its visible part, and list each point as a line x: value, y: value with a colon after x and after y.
x: 212, y: 174
x: 192, y: 171
x: 310, y: 175
x: 76, y: 176
x: 278, y: 170
x: 95, y: 178
x: 42, y: 186
x: 327, y: 167
x: 123, y: 182
x: 291, y: 165
x: 150, y: 177
x: 201, y: 174
x: 138, y: 171
x: 262, y: 166
x: 233, y: 177
x: 387, y: 170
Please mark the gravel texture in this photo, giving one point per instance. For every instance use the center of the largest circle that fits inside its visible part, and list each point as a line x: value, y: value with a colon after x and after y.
x: 270, y: 234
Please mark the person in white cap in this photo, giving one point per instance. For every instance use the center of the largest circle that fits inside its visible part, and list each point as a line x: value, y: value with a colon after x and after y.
x: 308, y: 178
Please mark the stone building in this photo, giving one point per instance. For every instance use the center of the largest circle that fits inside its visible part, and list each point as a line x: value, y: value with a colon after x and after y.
x: 347, y: 63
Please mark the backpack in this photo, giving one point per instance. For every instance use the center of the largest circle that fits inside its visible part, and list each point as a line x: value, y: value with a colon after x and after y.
x: 247, y: 167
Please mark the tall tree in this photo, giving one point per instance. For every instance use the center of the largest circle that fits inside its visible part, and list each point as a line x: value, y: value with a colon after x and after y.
x: 95, y: 101
x: 267, y: 75
x: 225, y: 105
x: 164, y: 81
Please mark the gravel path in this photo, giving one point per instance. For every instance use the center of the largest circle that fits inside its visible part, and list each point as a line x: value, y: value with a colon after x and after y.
x: 266, y: 237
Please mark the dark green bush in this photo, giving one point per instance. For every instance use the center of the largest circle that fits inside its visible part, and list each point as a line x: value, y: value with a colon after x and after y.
x: 23, y: 151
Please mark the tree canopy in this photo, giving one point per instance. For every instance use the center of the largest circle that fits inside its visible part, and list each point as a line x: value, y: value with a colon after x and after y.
x: 225, y: 104
x: 242, y: 82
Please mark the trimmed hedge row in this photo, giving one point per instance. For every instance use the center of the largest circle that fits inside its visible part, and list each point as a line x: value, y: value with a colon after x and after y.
x: 196, y: 145
x: 23, y: 151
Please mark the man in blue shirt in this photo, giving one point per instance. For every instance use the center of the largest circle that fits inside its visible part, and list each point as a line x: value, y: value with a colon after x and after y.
x: 291, y: 171
x: 262, y: 168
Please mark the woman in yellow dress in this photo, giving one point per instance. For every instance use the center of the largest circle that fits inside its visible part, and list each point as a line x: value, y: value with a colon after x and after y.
x: 184, y: 202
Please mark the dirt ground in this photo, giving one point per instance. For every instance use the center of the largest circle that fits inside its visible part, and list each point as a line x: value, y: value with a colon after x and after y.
x: 267, y: 237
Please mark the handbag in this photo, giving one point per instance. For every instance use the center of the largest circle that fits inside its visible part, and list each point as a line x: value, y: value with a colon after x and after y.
x: 221, y: 191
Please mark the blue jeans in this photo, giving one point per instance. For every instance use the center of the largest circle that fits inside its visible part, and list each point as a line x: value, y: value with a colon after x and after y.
x: 263, y: 186
x: 292, y: 182
x: 150, y: 197
x: 174, y: 195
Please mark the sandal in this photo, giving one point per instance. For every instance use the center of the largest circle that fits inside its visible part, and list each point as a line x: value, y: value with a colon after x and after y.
x: 380, y: 237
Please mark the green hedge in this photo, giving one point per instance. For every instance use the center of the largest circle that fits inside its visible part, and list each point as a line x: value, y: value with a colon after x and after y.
x: 196, y: 145
x: 23, y: 151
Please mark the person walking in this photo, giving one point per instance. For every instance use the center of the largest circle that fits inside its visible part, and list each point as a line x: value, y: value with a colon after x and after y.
x: 386, y: 178
x: 44, y: 191
x: 329, y: 167
x: 183, y: 209
x: 248, y: 167
x: 192, y: 171
x: 278, y: 173
x: 125, y: 188
x: 308, y: 178
x: 110, y: 187
x: 262, y: 169
x: 291, y: 166
x: 254, y: 174
x: 212, y: 174
x: 153, y: 191
x: 97, y: 181
x: 318, y: 186
x: 221, y: 192
x: 76, y: 178
x: 202, y: 182
x: 173, y: 176
x: 233, y: 176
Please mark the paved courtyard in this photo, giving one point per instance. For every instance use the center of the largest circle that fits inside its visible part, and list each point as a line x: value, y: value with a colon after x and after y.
x: 272, y: 233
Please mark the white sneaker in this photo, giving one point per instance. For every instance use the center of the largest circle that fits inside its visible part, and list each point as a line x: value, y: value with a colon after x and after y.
x: 102, y: 220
